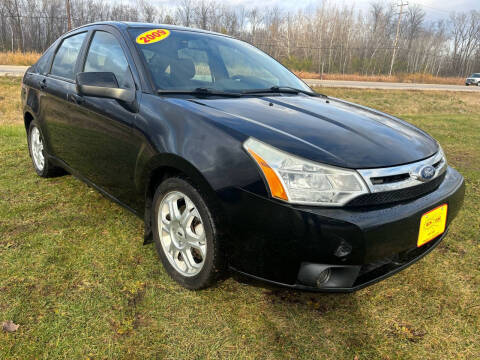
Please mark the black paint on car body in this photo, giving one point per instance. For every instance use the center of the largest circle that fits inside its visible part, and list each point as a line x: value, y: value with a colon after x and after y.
x: 198, y: 126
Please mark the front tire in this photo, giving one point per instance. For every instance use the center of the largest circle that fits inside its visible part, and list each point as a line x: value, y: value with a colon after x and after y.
x: 185, y: 234
x: 41, y: 163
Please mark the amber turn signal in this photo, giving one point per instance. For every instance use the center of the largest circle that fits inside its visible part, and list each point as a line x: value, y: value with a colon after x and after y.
x: 274, y: 183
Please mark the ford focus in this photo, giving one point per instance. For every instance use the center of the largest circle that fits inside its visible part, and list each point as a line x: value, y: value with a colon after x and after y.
x: 235, y: 163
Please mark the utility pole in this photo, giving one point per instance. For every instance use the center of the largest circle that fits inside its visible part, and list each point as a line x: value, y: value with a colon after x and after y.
x: 69, y: 16
x: 401, y: 5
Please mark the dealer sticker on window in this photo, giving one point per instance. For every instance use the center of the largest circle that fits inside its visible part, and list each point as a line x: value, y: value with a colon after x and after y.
x: 152, y: 36
x: 432, y: 224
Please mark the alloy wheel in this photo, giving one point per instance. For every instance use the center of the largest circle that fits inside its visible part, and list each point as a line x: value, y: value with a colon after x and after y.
x: 182, y: 234
x: 36, y: 146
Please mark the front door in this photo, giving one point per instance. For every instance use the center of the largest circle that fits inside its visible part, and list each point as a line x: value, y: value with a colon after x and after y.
x: 106, y: 149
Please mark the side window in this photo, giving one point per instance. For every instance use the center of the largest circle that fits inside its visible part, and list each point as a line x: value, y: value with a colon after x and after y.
x: 200, y: 61
x: 106, y: 55
x: 42, y: 65
x: 66, y: 57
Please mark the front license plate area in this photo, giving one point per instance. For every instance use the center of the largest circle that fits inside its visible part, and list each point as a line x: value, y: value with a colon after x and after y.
x: 432, y: 224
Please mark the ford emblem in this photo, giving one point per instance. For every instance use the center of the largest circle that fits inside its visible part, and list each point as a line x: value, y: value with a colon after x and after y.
x: 426, y: 173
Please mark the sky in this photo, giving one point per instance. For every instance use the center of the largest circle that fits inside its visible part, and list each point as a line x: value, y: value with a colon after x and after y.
x: 435, y: 9
x: 438, y: 6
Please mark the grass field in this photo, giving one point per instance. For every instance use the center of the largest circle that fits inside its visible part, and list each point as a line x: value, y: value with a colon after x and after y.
x: 76, y: 278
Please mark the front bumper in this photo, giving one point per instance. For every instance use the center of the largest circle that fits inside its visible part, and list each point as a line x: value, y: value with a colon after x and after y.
x: 291, y: 245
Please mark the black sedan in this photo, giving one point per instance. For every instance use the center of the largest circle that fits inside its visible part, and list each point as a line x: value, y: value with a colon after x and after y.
x: 235, y: 163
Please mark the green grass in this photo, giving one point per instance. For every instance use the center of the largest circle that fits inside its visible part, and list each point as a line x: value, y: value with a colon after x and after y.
x: 75, y: 276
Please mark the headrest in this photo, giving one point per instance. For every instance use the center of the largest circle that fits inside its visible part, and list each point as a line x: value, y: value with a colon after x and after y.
x: 94, y: 62
x: 160, y: 62
x: 182, y: 69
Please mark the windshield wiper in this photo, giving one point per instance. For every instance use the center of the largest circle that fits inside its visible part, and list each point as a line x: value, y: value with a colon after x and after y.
x: 283, y: 89
x: 199, y: 92
x: 211, y: 92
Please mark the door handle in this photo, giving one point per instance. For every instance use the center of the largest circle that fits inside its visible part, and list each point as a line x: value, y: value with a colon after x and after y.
x: 43, y: 84
x: 76, y: 99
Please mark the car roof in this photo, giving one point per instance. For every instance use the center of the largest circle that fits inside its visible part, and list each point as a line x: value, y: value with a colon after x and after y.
x: 124, y: 25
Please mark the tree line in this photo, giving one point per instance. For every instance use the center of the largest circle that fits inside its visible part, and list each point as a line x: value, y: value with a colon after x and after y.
x: 327, y: 38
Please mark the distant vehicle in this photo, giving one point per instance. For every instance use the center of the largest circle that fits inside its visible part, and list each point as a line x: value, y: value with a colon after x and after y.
x: 473, y: 79
x: 232, y: 160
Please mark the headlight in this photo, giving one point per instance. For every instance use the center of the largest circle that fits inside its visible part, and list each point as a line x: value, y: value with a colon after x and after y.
x: 301, y: 181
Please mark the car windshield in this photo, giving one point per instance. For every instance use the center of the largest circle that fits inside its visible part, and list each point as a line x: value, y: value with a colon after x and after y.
x: 186, y: 61
x: 475, y: 76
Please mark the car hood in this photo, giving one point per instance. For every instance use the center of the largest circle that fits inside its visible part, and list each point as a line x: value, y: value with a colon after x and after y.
x: 330, y: 130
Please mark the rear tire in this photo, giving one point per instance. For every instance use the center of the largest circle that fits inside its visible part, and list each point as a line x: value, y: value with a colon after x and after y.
x: 42, y: 165
x: 185, y: 234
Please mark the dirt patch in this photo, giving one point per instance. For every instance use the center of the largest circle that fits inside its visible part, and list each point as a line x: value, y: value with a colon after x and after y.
x: 463, y: 159
x: 317, y: 302
x: 407, y: 332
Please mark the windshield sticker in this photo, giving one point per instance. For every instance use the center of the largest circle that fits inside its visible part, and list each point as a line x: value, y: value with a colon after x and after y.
x: 152, y: 36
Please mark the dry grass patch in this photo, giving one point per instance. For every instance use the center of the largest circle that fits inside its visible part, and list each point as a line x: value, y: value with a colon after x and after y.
x: 10, y: 103
x: 405, y: 102
x: 19, y: 58
x: 402, y: 78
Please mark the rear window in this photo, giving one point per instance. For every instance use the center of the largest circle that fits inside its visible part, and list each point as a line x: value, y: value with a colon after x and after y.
x: 66, y: 57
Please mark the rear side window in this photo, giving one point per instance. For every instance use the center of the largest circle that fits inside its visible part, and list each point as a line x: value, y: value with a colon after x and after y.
x: 106, y: 55
x: 66, y: 57
x: 43, y: 64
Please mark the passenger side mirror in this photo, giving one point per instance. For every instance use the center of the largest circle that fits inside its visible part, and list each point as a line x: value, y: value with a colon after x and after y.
x: 102, y: 84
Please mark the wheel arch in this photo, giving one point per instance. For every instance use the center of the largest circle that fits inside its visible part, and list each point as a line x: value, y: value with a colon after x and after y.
x: 162, y: 167
x: 27, y: 119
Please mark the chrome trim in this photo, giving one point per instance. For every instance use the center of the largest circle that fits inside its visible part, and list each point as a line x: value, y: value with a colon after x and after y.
x: 412, y: 169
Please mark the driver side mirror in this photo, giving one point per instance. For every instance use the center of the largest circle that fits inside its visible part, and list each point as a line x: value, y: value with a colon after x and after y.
x: 104, y: 85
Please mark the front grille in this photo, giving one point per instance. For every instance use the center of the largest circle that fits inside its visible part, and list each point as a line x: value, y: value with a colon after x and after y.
x: 393, y: 196
x: 389, y: 179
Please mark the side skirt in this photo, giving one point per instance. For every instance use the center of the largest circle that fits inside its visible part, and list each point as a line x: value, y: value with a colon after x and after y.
x: 148, y: 238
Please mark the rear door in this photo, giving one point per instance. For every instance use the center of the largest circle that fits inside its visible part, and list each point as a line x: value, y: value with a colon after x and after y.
x: 57, y: 85
x: 33, y: 83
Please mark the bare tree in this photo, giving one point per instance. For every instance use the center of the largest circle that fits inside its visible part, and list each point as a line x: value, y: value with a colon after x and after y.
x: 148, y: 12
x: 330, y: 37
x: 185, y: 12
